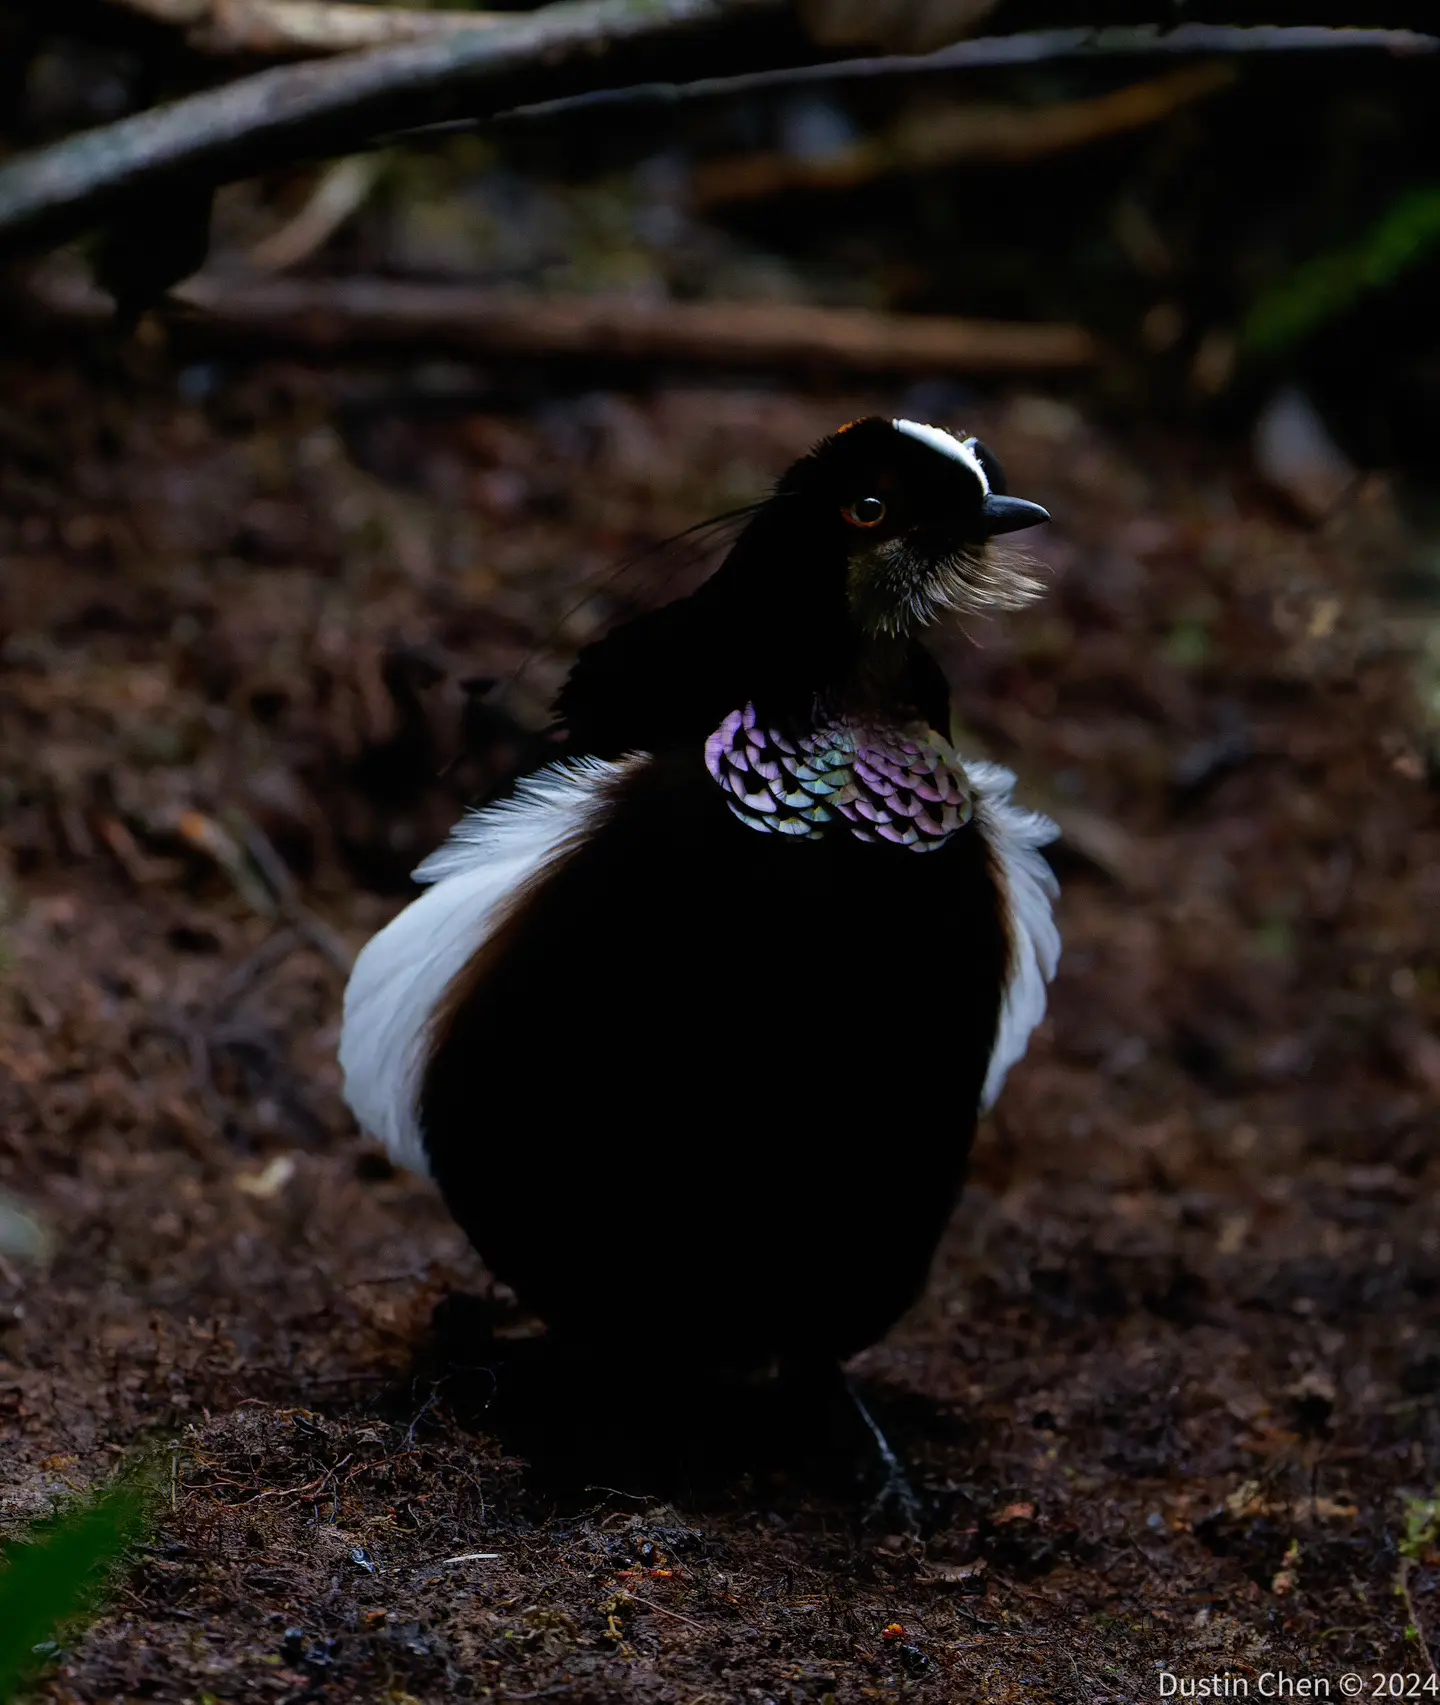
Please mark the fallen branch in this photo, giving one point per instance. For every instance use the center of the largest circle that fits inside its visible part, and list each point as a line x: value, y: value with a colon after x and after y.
x: 928, y: 138
x: 283, y: 27
x: 329, y: 315
x: 314, y: 110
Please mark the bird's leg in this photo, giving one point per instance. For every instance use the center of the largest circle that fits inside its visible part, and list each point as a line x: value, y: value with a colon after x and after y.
x: 897, y: 1495
x: 827, y: 1394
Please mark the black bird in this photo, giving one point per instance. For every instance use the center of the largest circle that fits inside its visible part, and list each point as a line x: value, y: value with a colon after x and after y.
x: 693, y: 1029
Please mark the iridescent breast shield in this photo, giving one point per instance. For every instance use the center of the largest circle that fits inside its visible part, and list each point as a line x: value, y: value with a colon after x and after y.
x: 879, y: 781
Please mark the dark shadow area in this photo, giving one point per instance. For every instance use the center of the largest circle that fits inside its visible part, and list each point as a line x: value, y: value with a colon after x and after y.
x: 666, y: 1431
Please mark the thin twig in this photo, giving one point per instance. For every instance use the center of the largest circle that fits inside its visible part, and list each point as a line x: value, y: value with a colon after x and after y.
x: 1402, y: 1581
x: 660, y: 1610
x: 309, y: 1487
x: 424, y: 1409
x: 286, y: 892
x: 924, y: 140
x: 336, y: 198
x: 255, y: 966
x: 1033, y: 47
x: 184, y: 1029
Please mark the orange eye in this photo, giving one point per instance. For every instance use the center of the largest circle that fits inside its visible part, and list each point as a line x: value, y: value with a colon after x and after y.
x: 865, y: 512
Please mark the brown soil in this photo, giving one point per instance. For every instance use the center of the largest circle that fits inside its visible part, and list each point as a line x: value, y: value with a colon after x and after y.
x: 1176, y: 1375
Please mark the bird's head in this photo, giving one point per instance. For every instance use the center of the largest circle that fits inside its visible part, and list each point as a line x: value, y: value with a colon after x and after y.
x: 909, y: 514
x: 882, y: 529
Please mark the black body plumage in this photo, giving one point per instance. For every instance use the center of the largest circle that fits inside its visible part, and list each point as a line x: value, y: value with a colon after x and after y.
x: 706, y: 1082
x: 738, y: 1085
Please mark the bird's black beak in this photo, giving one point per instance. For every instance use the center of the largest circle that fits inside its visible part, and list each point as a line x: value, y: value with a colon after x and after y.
x: 1010, y: 514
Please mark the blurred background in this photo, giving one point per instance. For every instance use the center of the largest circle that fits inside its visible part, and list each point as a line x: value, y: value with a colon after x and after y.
x: 291, y: 561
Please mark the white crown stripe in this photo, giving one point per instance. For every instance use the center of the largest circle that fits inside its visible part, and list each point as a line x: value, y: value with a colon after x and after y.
x: 937, y: 438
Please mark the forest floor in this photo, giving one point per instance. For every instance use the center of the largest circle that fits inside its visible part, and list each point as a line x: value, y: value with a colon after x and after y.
x: 1174, y: 1393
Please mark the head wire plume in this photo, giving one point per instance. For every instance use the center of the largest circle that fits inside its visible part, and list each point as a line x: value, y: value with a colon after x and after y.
x: 675, y: 555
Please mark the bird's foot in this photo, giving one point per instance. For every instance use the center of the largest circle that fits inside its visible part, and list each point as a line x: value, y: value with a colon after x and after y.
x: 896, y: 1505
